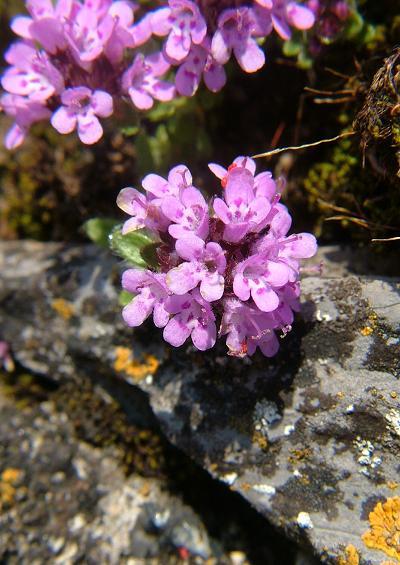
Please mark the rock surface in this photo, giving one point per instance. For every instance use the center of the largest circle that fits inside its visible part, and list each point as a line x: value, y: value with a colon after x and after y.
x: 310, y: 438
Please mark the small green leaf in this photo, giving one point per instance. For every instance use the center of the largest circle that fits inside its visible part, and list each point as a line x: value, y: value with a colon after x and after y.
x: 130, y: 131
x: 99, y: 229
x: 149, y: 254
x: 130, y: 245
x: 291, y: 48
x: 124, y: 297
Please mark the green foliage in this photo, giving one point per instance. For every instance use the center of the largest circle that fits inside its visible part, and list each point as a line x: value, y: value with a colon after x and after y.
x: 99, y: 230
x: 343, y: 188
x: 175, y: 132
x: 131, y: 246
x: 124, y: 298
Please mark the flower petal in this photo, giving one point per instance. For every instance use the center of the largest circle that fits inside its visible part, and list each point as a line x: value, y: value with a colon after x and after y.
x: 89, y: 129
x: 212, y: 286
x: 102, y: 103
x: 160, y: 315
x: 176, y: 331
x: 190, y: 248
x: 183, y: 278
x: 136, y: 312
x: 265, y: 298
x: 63, y: 120
x: 204, y: 337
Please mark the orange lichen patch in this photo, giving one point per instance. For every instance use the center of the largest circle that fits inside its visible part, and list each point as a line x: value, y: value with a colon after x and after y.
x: 392, y: 485
x: 260, y: 440
x: 63, y: 308
x: 388, y: 563
x: 299, y: 455
x: 367, y: 330
x: 145, y: 490
x: 350, y: 557
x: 8, y: 480
x: 385, y: 528
x: 125, y: 362
x: 11, y: 475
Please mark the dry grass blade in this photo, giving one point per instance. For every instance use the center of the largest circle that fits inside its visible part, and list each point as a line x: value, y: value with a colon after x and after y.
x: 385, y: 239
x: 305, y: 146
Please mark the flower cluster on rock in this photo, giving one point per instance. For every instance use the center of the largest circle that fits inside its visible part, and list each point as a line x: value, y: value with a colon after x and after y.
x: 228, y: 263
x: 77, y: 58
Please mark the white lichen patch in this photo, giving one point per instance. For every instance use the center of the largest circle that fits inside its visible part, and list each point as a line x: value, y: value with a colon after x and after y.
x: 393, y: 419
x: 229, y: 478
x: 288, y: 429
x: 266, y: 413
x: 323, y: 316
x: 264, y: 489
x: 304, y: 521
x: 366, y: 457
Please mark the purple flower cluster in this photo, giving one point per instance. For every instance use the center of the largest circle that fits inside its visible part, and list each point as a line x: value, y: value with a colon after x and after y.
x: 202, y: 35
x: 71, y: 66
x: 227, y: 263
x: 331, y: 18
x: 77, y: 58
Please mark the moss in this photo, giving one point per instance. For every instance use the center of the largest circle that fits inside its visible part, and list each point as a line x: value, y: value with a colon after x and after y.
x: 24, y: 388
x: 343, y: 189
x: 98, y: 420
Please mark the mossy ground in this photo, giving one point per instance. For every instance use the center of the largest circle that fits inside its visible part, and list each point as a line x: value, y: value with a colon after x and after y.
x: 98, y: 420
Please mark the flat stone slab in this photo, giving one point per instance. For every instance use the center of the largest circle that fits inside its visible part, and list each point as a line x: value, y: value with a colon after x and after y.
x: 311, y: 438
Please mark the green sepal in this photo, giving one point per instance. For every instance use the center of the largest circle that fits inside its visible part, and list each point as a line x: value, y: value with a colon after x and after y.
x: 125, y: 298
x: 98, y: 230
x: 130, y: 246
x: 130, y: 131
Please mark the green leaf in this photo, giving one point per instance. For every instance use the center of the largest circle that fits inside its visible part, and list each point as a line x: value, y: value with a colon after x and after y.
x: 130, y: 131
x: 98, y: 230
x: 145, y: 161
x: 149, y: 255
x: 291, y: 48
x: 130, y: 245
x: 124, y: 297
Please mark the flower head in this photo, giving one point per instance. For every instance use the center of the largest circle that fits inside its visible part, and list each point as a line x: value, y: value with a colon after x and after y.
x: 227, y: 263
x: 69, y: 45
x: 80, y: 109
x: 76, y: 58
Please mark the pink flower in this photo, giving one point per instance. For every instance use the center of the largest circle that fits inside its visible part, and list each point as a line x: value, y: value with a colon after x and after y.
x: 184, y: 25
x: 234, y: 33
x: 241, y: 210
x: 142, y: 84
x: 234, y: 265
x: 199, y: 62
x: 260, y: 277
x: 189, y: 214
x: 25, y: 113
x: 247, y: 329
x: 204, y: 264
x: 192, y: 316
x: 151, y: 295
x: 287, y: 13
x: 32, y: 73
x: 79, y: 111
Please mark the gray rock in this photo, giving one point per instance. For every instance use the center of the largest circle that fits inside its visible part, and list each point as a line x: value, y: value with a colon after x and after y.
x: 310, y: 438
x: 65, y: 501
